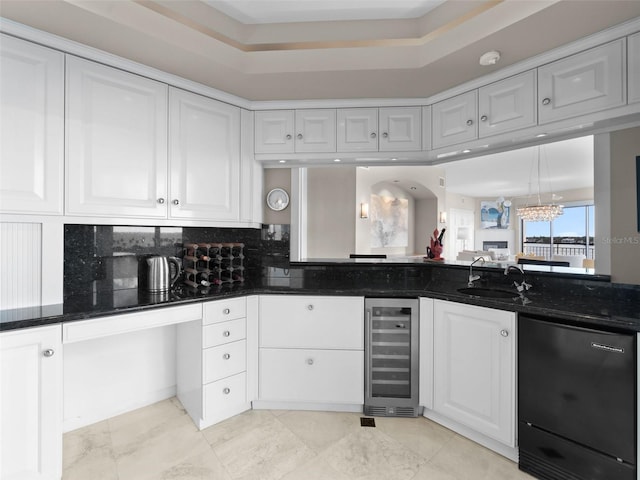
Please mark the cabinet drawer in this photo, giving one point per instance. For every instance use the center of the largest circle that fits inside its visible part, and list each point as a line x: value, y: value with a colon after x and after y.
x: 224, y: 394
x: 224, y: 361
x: 312, y: 322
x: 128, y: 322
x: 224, y: 310
x: 320, y: 376
x: 224, y: 332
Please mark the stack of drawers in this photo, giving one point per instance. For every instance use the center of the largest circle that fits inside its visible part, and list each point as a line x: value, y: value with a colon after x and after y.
x: 213, y: 380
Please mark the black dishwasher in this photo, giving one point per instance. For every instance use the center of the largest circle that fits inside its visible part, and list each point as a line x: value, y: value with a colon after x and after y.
x: 576, y: 402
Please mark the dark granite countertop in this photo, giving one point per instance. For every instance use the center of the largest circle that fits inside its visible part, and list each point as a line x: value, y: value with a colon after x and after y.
x: 586, y: 303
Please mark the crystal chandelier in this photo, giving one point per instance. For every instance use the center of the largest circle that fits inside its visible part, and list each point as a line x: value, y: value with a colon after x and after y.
x: 539, y: 212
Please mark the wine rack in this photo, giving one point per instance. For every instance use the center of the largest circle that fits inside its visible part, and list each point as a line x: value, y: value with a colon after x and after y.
x: 210, y: 265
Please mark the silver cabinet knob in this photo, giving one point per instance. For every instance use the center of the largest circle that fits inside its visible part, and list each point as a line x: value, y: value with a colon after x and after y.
x: 299, y: 136
x: 309, y: 307
x: 161, y: 200
x: 226, y: 311
x: 288, y: 137
x: 176, y: 202
x: 226, y: 390
x: 469, y: 122
x: 48, y: 352
x: 504, y: 333
x: 226, y: 356
x: 226, y: 333
x: 484, y: 118
x: 309, y: 361
x: 385, y: 134
x: 546, y: 101
x: 373, y: 135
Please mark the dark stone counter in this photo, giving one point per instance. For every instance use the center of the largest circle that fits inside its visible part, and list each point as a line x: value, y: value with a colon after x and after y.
x: 581, y: 299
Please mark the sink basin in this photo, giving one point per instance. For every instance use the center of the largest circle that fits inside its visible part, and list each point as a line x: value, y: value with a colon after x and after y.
x: 488, y: 292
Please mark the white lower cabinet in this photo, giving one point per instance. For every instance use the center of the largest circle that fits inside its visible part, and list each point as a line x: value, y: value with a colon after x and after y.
x: 311, y: 351
x: 31, y: 404
x: 474, y: 355
x: 212, y: 359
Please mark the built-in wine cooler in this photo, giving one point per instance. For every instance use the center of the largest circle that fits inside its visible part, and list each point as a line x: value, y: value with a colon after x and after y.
x: 391, y: 360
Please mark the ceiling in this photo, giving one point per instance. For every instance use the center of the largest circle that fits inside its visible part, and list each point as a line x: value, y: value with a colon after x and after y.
x: 565, y: 165
x: 314, y: 49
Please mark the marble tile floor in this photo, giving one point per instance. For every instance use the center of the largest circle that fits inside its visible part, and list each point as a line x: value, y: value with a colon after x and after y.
x: 160, y: 442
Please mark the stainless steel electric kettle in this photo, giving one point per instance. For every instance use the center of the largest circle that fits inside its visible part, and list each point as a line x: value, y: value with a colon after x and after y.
x: 158, y: 273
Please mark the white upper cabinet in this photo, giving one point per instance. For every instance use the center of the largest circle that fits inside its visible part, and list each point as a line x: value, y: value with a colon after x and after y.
x: 31, y: 413
x: 316, y: 130
x: 507, y: 105
x: 204, y: 154
x: 454, y: 120
x: 31, y: 128
x: 400, y: 129
x: 301, y: 131
x: 588, y: 82
x: 474, y: 368
x: 274, y: 130
x: 357, y: 130
x: 116, y: 142
x: 426, y: 127
x: 634, y: 67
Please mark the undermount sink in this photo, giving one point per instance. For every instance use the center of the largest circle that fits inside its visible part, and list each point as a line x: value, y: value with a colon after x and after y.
x: 488, y: 292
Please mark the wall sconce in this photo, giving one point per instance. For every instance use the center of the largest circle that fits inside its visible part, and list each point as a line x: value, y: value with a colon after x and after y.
x: 364, y: 210
x: 443, y: 217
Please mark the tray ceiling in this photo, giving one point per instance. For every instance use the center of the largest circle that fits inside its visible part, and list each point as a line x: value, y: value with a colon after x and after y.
x: 311, y: 49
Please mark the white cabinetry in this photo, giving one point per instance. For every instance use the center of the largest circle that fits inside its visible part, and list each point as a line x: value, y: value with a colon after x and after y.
x: 116, y: 142
x: 31, y: 128
x: 500, y: 107
x: 587, y: 82
x: 507, y: 105
x: 289, y: 131
x: 311, y: 351
x: 31, y: 404
x: 633, y: 52
x: 204, y: 154
x: 212, y: 363
x: 400, y: 129
x: 425, y: 394
x: 474, y: 368
x: 357, y: 130
x: 454, y: 120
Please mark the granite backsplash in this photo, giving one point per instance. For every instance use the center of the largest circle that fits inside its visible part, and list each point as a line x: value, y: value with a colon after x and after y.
x: 105, y: 257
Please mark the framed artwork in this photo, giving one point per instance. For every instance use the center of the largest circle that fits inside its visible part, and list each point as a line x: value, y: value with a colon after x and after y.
x: 638, y: 190
x: 389, y: 221
x: 495, y: 214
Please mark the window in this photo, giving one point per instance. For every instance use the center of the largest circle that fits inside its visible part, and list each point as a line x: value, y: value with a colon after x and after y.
x: 572, y: 233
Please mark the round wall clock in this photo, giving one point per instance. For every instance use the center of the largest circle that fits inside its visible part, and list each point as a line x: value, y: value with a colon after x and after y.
x: 277, y: 199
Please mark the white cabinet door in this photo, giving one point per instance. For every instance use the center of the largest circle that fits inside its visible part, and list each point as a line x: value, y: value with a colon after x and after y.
x: 116, y: 142
x: 426, y: 128
x: 358, y: 130
x: 317, y: 376
x: 31, y: 128
x: 507, y: 105
x: 274, y: 130
x: 31, y: 404
x: 587, y: 82
x: 633, y: 54
x: 454, y: 120
x: 400, y: 129
x: 204, y: 154
x: 316, y: 130
x: 474, y: 368
x: 311, y: 322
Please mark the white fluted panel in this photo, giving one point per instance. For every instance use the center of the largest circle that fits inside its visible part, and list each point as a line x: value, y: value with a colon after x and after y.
x: 20, y: 265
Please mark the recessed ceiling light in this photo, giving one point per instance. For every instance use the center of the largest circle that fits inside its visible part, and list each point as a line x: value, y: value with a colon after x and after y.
x: 337, y: 160
x: 282, y: 161
x: 412, y: 188
x: 540, y: 135
x: 490, y: 58
x: 466, y: 150
x: 394, y: 159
